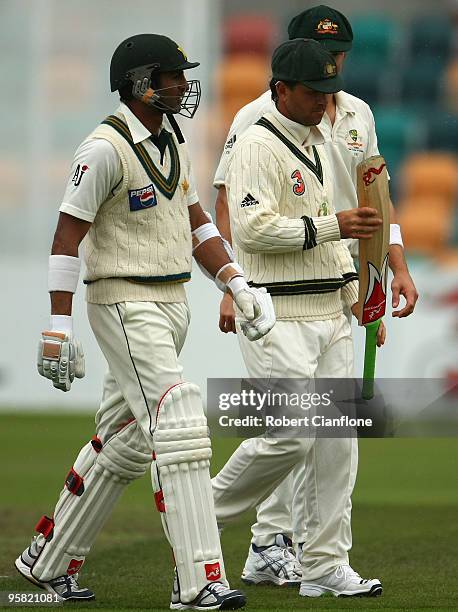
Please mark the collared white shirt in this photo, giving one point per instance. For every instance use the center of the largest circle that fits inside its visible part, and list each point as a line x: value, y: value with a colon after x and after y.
x: 305, y: 135
x: 349, y: 141
x: 96, y: 171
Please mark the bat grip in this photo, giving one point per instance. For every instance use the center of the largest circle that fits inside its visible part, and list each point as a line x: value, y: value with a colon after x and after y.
x: 369, y: 359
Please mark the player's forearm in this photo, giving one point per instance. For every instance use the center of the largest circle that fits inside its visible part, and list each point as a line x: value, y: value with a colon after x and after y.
x: 392, y: 213
x: 208, y: 248
x: 212, y: 255
x: 222, y: 214
x: 64, y: 263
x: 397, y: 260
x: 278, y: 236
x: 267, y: 232
x: 61, y: 303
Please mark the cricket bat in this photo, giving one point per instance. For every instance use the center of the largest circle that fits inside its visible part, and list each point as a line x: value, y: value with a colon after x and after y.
x: 373, y: 191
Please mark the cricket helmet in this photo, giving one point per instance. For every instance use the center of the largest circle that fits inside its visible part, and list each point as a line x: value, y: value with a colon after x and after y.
x: 139, y: 60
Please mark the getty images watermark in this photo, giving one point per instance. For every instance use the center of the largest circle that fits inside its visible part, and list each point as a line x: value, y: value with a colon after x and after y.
x: 284, y: 410
x: 330, y: 408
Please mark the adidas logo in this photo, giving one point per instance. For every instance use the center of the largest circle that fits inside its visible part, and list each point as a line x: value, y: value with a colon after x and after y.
x: 248, y: 200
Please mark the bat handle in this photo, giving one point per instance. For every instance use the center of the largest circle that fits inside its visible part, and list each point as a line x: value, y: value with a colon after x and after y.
x: 369, y: 359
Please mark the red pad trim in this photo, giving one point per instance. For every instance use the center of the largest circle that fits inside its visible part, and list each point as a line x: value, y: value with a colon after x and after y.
x: 74, y: 483
x: 213, y: 571
x: 45, y: 526
x: 96, y: 444
x: 159, y: 499
x: 160, y: 401
x: 74, y: 566
x: 125, y: 424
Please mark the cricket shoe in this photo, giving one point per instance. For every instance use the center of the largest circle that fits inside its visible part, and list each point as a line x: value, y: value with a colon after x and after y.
x: 65, y: 588
x: 342, y: 582
x: 214, y: 596
x: 274, y: 564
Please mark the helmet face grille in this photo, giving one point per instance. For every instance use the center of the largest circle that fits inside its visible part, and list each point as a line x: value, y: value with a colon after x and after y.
x: 191, y: 99
x: 144, y: 89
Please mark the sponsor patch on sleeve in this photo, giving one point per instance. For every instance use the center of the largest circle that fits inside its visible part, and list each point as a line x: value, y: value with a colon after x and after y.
x: 79, y: 173
x: 139, y: 199
x: 229, y: 144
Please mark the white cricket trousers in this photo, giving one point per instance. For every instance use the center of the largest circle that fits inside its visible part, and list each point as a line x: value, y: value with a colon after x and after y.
x: 141, y: 342
x: 318, y: 475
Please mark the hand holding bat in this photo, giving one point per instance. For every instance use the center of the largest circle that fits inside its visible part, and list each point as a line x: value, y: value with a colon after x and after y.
x: 359, y: 223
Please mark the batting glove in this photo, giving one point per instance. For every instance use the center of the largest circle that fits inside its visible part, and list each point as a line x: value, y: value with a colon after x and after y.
x: 257, y: 308
x: 60, y: 358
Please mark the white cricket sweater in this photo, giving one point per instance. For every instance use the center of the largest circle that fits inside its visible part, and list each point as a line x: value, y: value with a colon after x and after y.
x: 283, y: 224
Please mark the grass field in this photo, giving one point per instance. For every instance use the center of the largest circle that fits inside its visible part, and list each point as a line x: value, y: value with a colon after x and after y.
x: 405, y: 523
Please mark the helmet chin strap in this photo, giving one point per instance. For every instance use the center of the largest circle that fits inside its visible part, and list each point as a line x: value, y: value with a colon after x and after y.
x: 144, y: 79
x: 143, y: 91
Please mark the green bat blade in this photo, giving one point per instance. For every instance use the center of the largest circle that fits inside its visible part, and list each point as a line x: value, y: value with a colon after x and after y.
x: 369, y: 359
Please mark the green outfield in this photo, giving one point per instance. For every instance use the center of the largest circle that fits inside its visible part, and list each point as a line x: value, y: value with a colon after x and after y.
x: 405, y: 523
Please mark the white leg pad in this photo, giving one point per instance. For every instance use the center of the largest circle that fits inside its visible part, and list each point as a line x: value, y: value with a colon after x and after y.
x: 93, y: 486
x: 181, y: 480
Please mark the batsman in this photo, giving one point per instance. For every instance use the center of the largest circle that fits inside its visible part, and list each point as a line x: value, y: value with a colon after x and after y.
x: 132, y: 197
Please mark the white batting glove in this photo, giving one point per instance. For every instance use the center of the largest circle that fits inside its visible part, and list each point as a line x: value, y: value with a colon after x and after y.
x: 263, y: 323
x: 256, y: 306
x: 60, y: 356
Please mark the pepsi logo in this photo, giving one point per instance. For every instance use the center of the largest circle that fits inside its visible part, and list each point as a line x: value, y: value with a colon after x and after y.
x: 139, y: 199
x: 146, y: 197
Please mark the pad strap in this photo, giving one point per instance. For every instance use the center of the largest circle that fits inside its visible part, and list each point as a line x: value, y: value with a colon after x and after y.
x: 45, y: 526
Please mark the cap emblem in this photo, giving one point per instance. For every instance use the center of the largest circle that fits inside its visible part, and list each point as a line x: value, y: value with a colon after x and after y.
x: 326, y: 26
x: 330, y: 70
x: 181, y: 51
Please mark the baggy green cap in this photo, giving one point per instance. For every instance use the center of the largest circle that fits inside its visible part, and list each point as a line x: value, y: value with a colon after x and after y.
x: 305, y: 61
x: 324, y: 24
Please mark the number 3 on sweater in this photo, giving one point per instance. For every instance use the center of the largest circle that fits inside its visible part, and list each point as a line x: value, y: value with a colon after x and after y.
x: 298, y: 187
